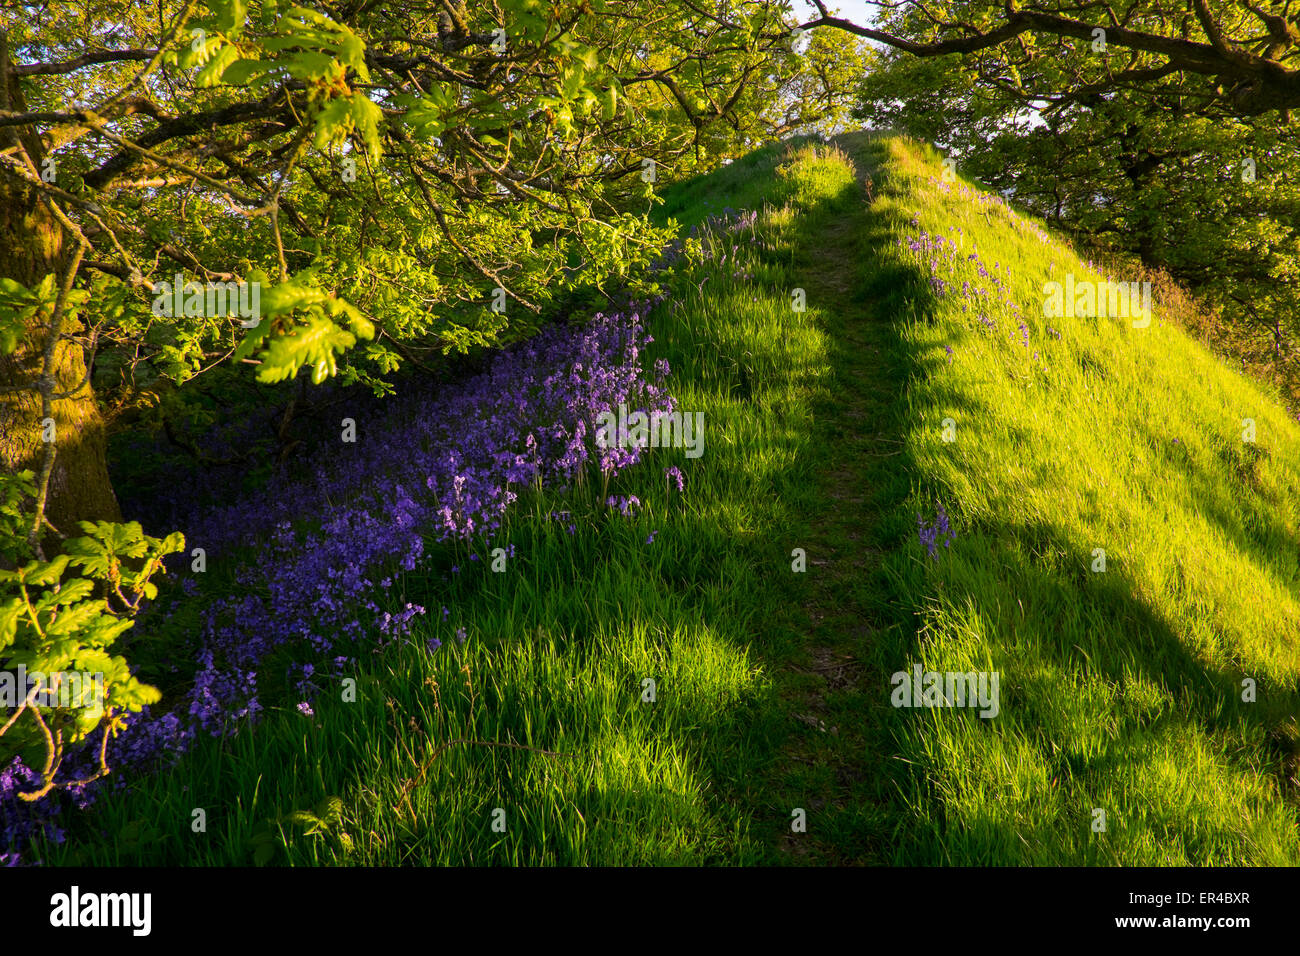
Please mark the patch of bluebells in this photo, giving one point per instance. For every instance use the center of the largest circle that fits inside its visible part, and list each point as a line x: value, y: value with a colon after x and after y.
x: 624, y: 503
x: 316, y: 548
x: 930, y: 532
x: 563, y: 517
x: 439, y: 464
x: 942, y: 252
x: 719, y: 247
x: 987, y: 202
x: 949, y: 270
x: 21, y: 821
x: 304, y: 685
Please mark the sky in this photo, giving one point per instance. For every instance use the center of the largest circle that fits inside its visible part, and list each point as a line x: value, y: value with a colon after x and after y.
x: 855, y: 10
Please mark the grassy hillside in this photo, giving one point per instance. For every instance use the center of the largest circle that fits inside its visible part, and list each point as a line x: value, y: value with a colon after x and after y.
x: 771, y: 599
x: 1121, y: 690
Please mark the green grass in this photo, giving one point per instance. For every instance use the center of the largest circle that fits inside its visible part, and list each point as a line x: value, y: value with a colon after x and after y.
x: 1120, y: 690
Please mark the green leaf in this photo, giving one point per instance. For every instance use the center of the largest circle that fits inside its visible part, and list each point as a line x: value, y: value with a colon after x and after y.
x: 361, y: 327
x: 75, y: 590
x: 74, y: 619
x: 333, y: 122
x: 308, y: 65
x: 299, y: 292
x: 104, y: 631
x: 12, y: 330
x: 12, y: 289
x: 9, y: 614
x: 571, y: 82
x: 45, y: 572
x: 241, y: 71
x: 313, y: 343
x: 330, y: 810
x: 365, y: 118
x: 211, y: 74
x: 304, y: 818
x: 252, y: 341
x: 427, y: 115
x: 230, y: 15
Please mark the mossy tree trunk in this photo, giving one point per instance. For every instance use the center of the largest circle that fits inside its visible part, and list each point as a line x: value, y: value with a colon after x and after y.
x: 32, y: 245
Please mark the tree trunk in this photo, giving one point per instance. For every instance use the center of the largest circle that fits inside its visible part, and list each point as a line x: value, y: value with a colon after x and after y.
x: 31, y: 247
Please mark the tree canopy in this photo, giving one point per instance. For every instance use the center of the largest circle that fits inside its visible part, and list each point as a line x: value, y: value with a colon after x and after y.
x: 1158, y: 170
x: 1230, y: 57
x: 378, y: 182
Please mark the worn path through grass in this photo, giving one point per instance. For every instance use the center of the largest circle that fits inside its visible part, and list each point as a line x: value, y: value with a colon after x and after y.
x: 839, y: 765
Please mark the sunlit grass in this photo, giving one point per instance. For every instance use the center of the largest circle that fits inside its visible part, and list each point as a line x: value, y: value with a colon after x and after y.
x: 541, y: 740
x: 1121, y: 691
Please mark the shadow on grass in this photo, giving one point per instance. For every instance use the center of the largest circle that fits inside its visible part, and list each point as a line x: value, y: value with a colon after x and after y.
x: 736, y: 761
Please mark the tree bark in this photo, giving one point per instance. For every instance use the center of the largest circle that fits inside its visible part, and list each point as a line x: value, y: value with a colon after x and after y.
x: 31, y: 247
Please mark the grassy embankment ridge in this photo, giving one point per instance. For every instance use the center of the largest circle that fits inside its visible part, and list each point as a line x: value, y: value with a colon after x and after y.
x: 1120, y: 691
